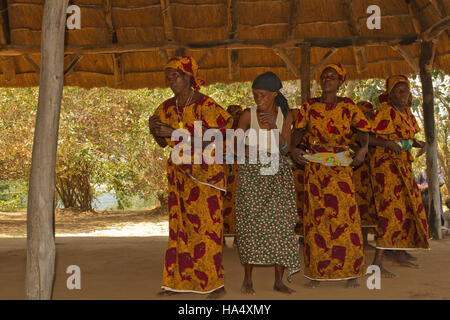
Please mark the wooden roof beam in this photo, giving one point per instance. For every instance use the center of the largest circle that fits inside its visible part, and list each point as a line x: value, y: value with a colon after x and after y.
x: 205, y: 56
x: 436, y: 29
x: 281, y: 52
x: 9, y: 68
x: 323, y: 60
x: 4, y: 23
x: 32, y: 63
x: 18, y: 50
x: 359, y: 52
x: 414, y: 13
x: 232, y: 27
x: 233, y: 64
x: 292, y: 22
x: 71, y: 65
x: 408, y: 57
x: 167, y: 18
x: 107, y: 8
x: 7, y: 63
x: 118, y: 68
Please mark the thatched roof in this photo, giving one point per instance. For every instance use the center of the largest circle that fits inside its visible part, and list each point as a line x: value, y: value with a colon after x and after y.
x: 125, y: 43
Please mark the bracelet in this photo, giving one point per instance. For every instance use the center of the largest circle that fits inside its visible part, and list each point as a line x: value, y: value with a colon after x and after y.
x: 284, y: 146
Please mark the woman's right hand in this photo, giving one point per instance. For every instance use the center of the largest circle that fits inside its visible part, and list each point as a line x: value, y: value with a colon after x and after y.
x: 394, y: 147
x: 297, y: 155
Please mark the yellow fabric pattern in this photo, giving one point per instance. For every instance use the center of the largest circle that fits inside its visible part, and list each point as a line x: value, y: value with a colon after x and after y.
x: 193, y: 259
x: 402, y: 222
x: 332, y: 227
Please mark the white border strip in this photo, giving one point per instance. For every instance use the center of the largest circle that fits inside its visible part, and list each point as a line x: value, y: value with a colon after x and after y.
x: 191, y: 291
x: 349, y: 278
x: 409, y: 249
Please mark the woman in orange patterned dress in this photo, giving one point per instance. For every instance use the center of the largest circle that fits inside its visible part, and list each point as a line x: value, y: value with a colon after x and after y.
x: 193, y: 259
x: 333, y: 247
x: 402, y: 223
x: 229, y: 206
x: 363, y: 185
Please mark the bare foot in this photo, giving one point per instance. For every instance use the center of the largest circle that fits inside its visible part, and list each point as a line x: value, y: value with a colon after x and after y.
x: 405, y: 263
x: 216, y: 294
x: 409, y: 256
x: 312, y: 284
x: 386, y: 274
x: 281, y: 287
x: 247, y: 288
x: 352, y: 283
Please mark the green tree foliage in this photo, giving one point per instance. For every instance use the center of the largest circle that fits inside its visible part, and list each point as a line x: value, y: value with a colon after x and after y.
x: 104, y: 141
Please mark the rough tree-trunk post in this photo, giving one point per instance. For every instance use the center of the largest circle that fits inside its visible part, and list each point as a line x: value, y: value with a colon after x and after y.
x: 305, y: 72
x: 41, y: 255
x: 434, y: 211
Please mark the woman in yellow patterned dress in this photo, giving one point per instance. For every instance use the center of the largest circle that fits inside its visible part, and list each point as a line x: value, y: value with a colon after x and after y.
x: 333, y: 247
x: 193, y: 259
x: 402, y: 223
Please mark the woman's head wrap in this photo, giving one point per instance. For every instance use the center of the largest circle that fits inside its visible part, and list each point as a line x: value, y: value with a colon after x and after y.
x: 338, y: 68
x: 391, y: 82
x: 269, y: 81
x: 187, y: 65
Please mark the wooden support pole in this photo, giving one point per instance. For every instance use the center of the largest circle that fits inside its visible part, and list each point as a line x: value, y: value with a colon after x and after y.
x: 292, y: 22
x: 434, y: 210
x: 305, y: 72
x: 360, y: 59
x: 167, y: 18
x: 413, y: 12
x: 232, y: 55
x: 9, y: 68
x: 41, y: 252
x: 164, y: 55
x: 118, y: 69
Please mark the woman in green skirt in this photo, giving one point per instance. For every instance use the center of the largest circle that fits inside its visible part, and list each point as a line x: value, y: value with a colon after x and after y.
x: 266, y: 211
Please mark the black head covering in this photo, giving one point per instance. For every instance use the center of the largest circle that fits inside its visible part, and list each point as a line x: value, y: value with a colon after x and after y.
x: 269, y: 81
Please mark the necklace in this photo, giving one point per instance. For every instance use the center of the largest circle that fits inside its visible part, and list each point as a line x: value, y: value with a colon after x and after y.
x: 180, y: 114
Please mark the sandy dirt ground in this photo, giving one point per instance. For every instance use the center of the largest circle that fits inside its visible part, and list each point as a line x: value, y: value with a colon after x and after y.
x: 121, y: 257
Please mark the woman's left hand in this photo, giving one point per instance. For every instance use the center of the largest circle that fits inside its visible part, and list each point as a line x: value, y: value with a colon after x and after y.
x: 419, y: 143
x: 267, y: 119
x: 359, y: 156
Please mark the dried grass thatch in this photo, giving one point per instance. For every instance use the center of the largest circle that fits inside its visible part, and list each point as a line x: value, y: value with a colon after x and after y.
x: 125, y: 43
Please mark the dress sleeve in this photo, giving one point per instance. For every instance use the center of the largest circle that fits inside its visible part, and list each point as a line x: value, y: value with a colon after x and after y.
x: 214, y: 116
x: 382, y: 122
x: 359, y: 120
x: 302, y: 117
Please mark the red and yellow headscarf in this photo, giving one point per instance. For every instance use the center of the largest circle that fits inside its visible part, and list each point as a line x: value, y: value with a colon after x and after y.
x: 391, y: 82
x: 187, y: 65
x: 337, y: 67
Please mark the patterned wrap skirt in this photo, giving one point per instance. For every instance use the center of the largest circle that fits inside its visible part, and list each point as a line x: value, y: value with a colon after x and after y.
x: 266, y: 215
